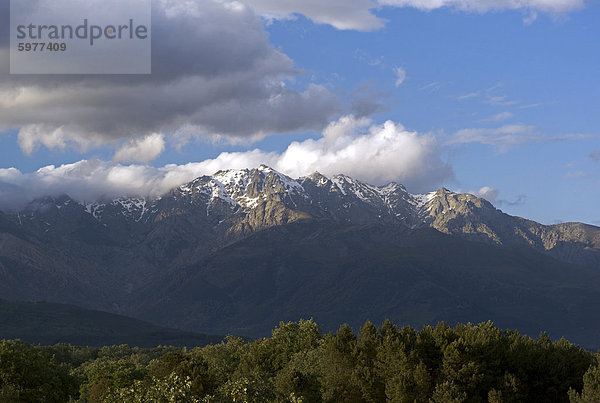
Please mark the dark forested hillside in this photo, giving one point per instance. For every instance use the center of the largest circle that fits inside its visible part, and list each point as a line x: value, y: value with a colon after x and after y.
x: 300, y: 364
x: 337, y: 273
x: 49, y: 323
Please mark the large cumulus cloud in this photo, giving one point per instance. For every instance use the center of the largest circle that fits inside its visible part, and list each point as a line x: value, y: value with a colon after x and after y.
x: 213, y: 68
x: 353, y: 146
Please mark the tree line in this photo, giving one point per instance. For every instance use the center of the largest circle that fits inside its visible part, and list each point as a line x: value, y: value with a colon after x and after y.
x: 298, y: 363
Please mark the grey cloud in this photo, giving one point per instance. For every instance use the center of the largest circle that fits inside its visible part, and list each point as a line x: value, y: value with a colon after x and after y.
x: 213, y: 68
x: 4, y: 22
x: 366, y: 100
x: 520, y: 199
x: 492, y: 195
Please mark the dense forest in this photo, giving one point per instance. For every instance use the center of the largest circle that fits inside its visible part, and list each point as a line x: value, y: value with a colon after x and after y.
x: 470, y: 363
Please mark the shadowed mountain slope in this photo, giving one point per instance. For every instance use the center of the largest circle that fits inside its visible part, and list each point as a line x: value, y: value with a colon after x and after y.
x: 48, y: 324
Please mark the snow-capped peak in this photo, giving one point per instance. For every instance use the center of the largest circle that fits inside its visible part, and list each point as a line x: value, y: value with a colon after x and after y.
x: 242, y: 190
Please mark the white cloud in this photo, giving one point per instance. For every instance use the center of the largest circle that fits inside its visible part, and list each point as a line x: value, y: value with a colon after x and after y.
x: 482, y: 6
x: 358, y: 14
x: 491, y: 194
x: 432, y: 87
x: 90, y: 180
x: 508, y: 136
x: 341, y: 14
x: 400, y: 76
x: 467, y: 96
x: 530, y: 106
x: 31, y: 136
x: 530, y: 18
x: 376, y: 154
x: 578, y: 174
x: 141, y: 150
x: 365, y: 57
x: 498, y: 117
x: 488, y: 193
x: 504, y: 137
x: 501, y: 101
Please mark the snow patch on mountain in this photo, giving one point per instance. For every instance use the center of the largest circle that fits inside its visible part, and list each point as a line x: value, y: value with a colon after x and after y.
x: 423, y: 201
x: 94, y: 209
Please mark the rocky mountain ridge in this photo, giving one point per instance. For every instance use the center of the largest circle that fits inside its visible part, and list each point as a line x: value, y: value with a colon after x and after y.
x: 235, y: 203
x: 232, y: 192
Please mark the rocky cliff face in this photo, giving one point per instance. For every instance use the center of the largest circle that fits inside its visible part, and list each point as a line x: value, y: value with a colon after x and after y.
x: 477, y: 219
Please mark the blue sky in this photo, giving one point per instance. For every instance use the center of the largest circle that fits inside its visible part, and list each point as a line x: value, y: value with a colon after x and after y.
x: 505, y: 104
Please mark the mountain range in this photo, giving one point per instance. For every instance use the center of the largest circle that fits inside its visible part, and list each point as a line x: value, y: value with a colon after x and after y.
x: 241, y: 250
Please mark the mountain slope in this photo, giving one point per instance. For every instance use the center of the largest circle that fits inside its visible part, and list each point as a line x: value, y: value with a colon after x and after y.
x: 477, y: 219
x: 341, y: 274
x: 222, y: 253
x: 48, y: 324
